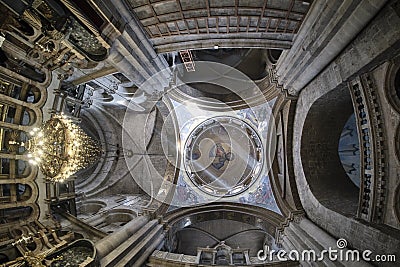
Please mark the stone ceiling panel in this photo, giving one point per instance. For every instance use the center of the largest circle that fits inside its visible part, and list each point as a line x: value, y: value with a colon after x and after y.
x: 164, y: 20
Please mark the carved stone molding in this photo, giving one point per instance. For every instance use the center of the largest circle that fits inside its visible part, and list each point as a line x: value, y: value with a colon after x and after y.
x: 372, y: 147
x: 392, y: 77
x: 397, y: 203
x: 397, y: 142
x: 294, y: 217
x: 274, y: 80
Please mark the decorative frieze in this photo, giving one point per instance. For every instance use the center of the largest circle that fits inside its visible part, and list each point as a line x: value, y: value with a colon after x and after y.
x: 372, y: 147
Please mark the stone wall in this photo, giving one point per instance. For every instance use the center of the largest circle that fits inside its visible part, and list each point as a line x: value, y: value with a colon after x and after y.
x: 378, y: 42
x: 323, y: 170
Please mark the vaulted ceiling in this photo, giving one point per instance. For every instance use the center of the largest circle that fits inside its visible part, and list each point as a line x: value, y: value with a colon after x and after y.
x: 177, y: 24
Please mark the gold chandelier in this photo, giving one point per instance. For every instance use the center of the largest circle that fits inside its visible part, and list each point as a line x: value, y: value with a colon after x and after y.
x: 60, y: 148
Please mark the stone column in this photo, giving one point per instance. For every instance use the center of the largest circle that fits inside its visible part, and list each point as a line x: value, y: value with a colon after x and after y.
x: 328, y: 28
x: 303, y: 235
x: 112, y: 241
x: 132, y: 51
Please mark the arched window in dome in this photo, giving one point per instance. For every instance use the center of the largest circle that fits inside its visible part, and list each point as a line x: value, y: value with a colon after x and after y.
x: 349, y: 150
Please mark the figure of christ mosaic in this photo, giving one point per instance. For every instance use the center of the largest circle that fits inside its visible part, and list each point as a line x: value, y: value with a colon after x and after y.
x: 220, y: 156
x: 214, y: 156
x: 223, y: 156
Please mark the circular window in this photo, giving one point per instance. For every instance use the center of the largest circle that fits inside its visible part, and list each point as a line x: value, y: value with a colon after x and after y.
x: 223, y: 156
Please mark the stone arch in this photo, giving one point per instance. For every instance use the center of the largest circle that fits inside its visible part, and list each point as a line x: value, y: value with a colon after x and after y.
x: 20, y: 113
x: 274, y: 55
x: 246, y: 237
x: 322, y: 95
x: 25, y: 194
x: 91, y: 207
x: 281, y: 174
x: 23, y: 170
x: 114, y: 219
x: 253, y: 64
x: 397, y: 142
x: 257, y: 219
x: 94, y: 123
x: 28, y: 117
x: 322, y: 167
x: 392, y: 84
x: 397, y: 202
x: 120, y: 216
x: 32, y: 92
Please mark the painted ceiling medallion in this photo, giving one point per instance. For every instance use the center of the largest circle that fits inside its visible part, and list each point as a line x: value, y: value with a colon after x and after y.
x: 223, y: 156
